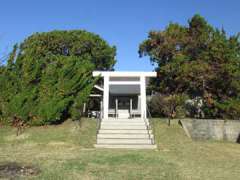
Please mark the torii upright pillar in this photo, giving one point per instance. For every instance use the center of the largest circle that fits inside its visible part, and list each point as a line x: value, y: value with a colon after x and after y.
x: 143, y: 97
x: 105, y: 97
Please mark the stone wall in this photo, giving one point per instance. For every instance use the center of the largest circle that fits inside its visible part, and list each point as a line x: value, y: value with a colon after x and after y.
x: 212, y: 129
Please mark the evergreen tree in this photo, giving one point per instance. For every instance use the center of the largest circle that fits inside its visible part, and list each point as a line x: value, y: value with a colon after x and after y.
x: 49, y: 77
x: 199, y: 61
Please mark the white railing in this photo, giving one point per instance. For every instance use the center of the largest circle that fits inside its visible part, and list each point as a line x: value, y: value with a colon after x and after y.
x: 150, y: 126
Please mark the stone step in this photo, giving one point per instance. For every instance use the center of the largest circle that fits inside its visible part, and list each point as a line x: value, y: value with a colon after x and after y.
x: 123, y: 120
x: 114, y: 118
x: 124, y: 141
x: 124, y: 131
x: 124, y: 146
x: 132, y: 127
x: 125, y: 136
x: 124, y: 123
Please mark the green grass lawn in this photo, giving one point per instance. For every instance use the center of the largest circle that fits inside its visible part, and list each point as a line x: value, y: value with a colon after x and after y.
x: 66, y: 152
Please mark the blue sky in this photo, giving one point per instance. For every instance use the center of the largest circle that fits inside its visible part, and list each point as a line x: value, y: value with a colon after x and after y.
x: 124, y: 23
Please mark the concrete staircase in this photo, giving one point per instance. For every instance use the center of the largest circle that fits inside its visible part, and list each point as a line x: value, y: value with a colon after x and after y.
x: 125, y: 133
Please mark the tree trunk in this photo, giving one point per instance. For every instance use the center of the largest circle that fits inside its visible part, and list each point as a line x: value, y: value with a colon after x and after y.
x: 169, y: 121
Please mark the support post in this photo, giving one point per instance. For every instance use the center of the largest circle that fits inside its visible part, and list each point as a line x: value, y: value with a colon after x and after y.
x: 105, y: 97
x: 101, y: 109
x: 143, y: 96
x: 84, y: 108
x: 116, y: 106
x: 131, y: 108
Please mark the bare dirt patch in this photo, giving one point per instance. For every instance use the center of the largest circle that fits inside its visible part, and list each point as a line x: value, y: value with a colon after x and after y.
x: 13, y: 170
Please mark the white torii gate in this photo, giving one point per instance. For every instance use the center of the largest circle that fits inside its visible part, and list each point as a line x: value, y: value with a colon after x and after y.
x: 138, y: 78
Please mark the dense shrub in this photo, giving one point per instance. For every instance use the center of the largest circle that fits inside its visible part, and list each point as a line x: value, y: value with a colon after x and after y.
x: 195, y: 107
x: 171, y: 106
x: 229, y: 109
x: 49, y: 77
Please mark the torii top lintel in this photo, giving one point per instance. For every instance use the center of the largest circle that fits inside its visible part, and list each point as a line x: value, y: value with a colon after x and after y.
x: 124, y: 74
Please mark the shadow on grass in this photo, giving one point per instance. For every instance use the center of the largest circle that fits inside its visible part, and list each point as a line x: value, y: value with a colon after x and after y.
x: 238, y: 139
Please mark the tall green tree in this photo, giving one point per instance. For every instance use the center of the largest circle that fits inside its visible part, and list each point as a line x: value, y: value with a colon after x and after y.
x: 197, y: 60
x: 49, y: 77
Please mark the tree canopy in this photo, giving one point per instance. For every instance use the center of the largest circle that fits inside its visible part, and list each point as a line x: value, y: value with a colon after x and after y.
x: 197, y: 60
x: 49, y: 76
